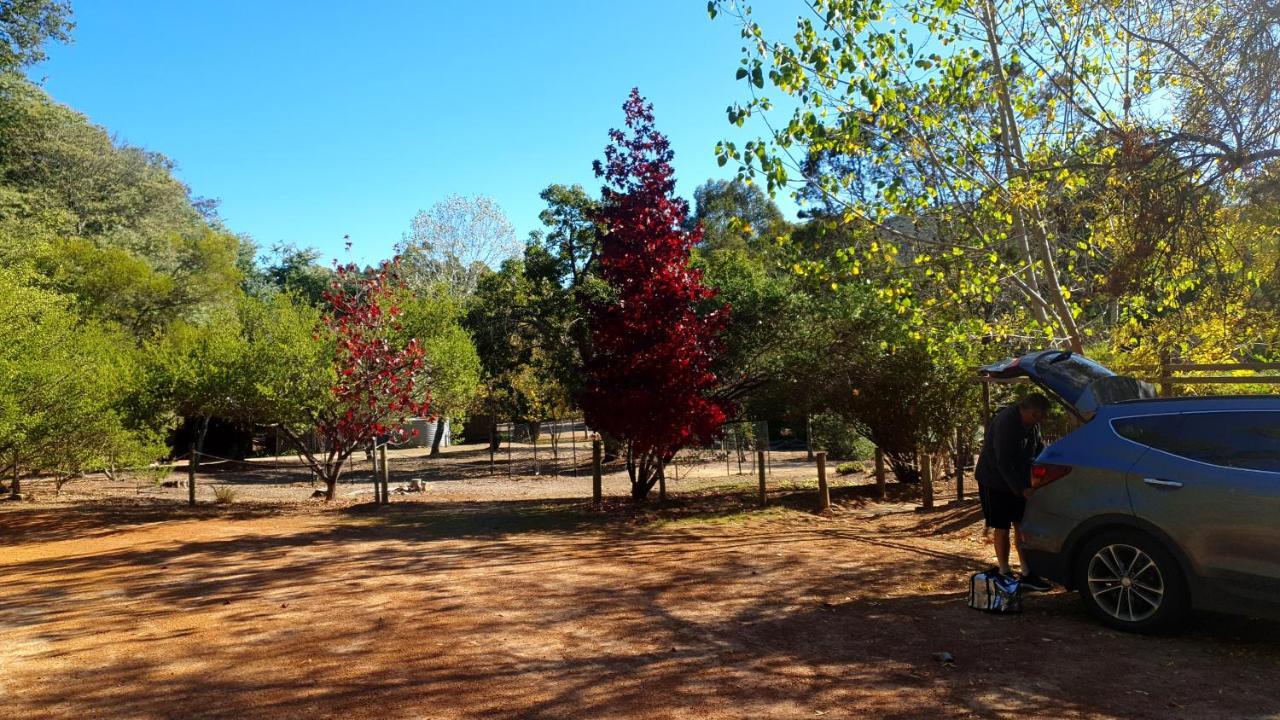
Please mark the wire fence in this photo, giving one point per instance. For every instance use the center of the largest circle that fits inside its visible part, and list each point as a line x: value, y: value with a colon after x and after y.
x: 522, y: 451
x: 558, y: 447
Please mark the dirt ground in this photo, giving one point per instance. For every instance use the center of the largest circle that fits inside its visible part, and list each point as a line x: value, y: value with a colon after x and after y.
x: 495, y: 598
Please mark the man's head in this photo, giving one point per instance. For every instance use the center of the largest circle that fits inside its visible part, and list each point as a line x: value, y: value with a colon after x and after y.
x: 1034, y: 408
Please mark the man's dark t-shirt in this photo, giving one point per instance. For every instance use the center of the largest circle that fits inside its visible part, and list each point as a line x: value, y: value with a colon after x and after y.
x: 1008, y: 447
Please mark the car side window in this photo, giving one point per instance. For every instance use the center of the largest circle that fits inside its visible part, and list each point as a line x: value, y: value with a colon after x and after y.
x: 1248, y: 440
x: 1156, y: 431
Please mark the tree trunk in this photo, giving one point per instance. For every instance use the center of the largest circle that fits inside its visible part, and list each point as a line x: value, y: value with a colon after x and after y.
x: 201, y: 433
x: 905, y: 467
x: 439, y: 436
x: 1033, y: 236
x: 643, y: 473
x: 15, y: 487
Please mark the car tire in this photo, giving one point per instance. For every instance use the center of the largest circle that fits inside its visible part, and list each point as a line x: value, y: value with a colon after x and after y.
x: 1131, y: 582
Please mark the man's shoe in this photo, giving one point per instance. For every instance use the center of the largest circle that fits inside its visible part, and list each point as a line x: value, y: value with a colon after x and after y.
x: 1034, y: 583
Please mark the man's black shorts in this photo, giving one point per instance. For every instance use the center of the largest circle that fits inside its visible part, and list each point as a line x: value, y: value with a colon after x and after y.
x: 1001, y: 509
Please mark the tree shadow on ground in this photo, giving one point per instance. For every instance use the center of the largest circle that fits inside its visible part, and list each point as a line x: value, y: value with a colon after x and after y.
x: 90, y: 519
x: 548, y: 610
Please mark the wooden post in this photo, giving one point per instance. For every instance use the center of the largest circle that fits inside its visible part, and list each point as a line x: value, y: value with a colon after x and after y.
x: 761, y: 469
x: 377, y: 477
x: 1166, y: 387
x: 15, y: 488
x: 662, y: 483
x: 986, y: 402
x: 880, y: 486
x: 555, y: 447
x: 926, y: 478
x: 824, y: 493
x: 192, y: 464
x: 737, y: 449
x: 386, y: 477
x: 597, y: 481
x: 533, y: 439
x: 808, y: 436
x: 959, y: 460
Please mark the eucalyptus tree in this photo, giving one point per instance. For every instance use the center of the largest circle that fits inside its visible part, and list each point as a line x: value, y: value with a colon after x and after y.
x: 957, y: 128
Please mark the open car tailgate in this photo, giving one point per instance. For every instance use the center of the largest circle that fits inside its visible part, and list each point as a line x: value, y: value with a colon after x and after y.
x: 1082, y: 384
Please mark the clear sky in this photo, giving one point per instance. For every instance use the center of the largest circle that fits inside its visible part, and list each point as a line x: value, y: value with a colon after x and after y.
x: 311, y: 120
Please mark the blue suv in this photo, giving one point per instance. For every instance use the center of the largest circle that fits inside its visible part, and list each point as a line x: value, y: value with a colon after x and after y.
x: 1154, y: 506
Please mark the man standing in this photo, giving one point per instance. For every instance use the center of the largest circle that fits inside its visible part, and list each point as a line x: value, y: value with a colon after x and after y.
x: 1011, y: 443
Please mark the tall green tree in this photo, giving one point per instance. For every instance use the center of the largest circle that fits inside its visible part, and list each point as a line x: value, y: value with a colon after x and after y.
x: 954, y: 129
x: 109, y: 224
x: 25, y: 27
x: 452, y: 365
x: 67, y: 389
x: 736, y: 215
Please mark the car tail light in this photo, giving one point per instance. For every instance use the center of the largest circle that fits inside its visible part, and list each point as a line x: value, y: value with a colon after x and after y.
x: 1042, y: 475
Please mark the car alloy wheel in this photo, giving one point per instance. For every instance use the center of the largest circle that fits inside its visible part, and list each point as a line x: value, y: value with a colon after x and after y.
x: 1125, y: 582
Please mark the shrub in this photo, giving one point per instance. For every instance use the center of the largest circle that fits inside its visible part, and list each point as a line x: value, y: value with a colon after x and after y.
x: 839, y: 438
x: 224, y: 494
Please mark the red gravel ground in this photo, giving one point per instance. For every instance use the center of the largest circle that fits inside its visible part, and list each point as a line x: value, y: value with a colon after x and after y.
x: 537, y: 608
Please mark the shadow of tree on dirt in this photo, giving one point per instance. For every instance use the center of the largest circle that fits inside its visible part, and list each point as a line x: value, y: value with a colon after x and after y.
x: 536, y: 609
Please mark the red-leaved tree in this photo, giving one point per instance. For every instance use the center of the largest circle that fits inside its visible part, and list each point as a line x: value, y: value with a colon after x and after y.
x: 376, y: 389
x: 649, y: 380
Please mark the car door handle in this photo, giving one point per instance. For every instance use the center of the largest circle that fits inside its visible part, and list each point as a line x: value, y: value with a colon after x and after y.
x: 1162, y: 483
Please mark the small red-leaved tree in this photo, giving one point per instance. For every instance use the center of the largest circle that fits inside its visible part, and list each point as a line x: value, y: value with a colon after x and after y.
x: 649, y: 380
x: 376, y: 391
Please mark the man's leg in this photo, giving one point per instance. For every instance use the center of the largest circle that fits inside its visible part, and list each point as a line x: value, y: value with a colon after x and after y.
x: 1030, y: 580
x: 1000, y: 537
x: 1017, y: 542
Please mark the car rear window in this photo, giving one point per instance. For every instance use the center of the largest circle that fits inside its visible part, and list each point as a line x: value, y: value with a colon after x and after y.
x: 1079, y: 371
x: 1232, y: 439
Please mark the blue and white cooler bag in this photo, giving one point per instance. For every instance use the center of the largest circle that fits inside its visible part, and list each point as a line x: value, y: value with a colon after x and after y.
x: 993, y: 592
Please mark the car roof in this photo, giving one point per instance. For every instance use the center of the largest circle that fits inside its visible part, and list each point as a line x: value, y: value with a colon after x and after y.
x: 1197, y: 403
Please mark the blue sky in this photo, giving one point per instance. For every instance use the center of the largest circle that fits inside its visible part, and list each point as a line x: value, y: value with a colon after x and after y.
x: 311, y: 120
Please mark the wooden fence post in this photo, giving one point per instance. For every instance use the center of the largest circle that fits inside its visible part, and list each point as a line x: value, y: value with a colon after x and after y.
x: 959, y: 460
x: 386, y: 477
x: 880, y: 486
x: 824, y: 493
x: 534, y: 440
x: 760, y: 466
x: 192, y: 465
x: 377, y: 477
x: 1166, y: 387
x: 597, y: 482
x: 926, y: 478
